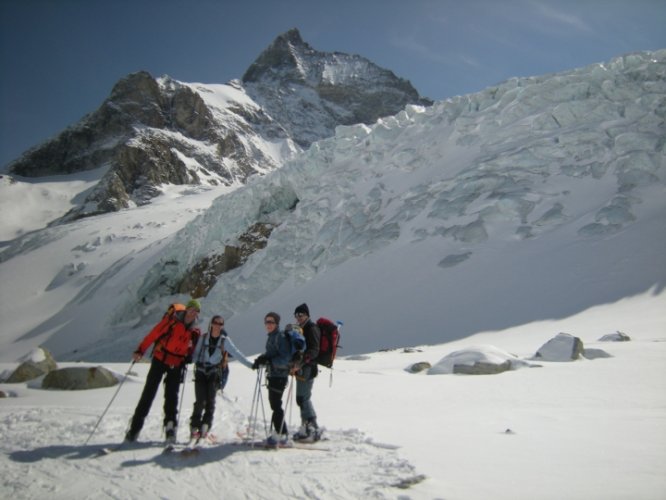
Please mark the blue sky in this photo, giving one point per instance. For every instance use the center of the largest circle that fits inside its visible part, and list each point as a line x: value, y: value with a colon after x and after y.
x: 61, y: 58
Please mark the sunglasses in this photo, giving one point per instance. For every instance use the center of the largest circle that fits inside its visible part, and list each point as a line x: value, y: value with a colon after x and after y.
x: 217, y: 323
x: 269, y: 322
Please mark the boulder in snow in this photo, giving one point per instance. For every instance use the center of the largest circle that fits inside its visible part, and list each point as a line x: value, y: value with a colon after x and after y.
x: 562, y: 347
x: 79, y: 378
x: 419, y: 367
x: 484, y: 360
x: 482, y: 368
x: 615, y: 337
x: 34, y: 364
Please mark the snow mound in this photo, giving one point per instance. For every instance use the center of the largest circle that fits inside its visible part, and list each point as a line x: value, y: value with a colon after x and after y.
x: 478, y: 360
x: 35, y: 355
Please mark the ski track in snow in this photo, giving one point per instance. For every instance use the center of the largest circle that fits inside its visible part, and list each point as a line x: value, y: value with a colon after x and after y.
x: 40, y: 468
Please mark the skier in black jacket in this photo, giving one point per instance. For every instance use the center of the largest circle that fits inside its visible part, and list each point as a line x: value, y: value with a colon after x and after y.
x: 306, y: 370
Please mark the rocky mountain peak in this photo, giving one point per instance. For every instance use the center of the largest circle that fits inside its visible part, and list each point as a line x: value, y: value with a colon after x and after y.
x: 280, y: 59
x: 313, y: 92
x: 139, y: 86
x: 155, y: 131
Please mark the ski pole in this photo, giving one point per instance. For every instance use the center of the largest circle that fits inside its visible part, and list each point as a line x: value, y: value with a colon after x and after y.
x: 252, y: 419
x: 263, y: 414
x: 250, y: 432
x: 256, y: 402
x: 288, y: 405
x: 110, y: 402
x: 330, y: 377
x: 182, y: 394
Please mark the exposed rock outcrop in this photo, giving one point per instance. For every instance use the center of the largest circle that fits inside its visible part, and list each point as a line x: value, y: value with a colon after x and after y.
x: 79, y: 378
x: 615, y: 337
x: 419, y: 367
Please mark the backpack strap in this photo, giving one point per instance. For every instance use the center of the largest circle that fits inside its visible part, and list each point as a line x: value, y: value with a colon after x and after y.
x: 201, y: 366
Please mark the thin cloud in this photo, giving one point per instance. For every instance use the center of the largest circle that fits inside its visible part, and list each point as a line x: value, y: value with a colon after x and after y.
x: 410, y: 44
x: 469, y: 61
x: 556, y: 17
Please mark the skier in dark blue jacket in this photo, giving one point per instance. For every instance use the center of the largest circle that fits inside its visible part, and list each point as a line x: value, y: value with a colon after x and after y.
x: 278, y: 358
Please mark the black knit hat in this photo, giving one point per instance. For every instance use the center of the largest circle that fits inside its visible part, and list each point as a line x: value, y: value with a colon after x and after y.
x: 302, y: 309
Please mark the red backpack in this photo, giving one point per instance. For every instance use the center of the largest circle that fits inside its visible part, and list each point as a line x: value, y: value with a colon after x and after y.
x: 328, y: 342
x: 175, y: 346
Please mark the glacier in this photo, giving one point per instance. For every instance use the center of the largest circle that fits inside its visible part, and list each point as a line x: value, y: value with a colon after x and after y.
x: 534, y: 199
x: 530, y: 200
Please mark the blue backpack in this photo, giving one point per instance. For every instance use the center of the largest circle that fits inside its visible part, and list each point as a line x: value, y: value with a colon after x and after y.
x: 296, y: 339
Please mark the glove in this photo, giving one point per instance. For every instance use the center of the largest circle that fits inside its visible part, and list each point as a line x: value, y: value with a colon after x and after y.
x: 261, y: 360
x: 297, y: 357
x: 195, y: 333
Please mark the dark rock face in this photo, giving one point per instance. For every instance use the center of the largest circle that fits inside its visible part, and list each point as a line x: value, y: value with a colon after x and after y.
x: 204, y: 274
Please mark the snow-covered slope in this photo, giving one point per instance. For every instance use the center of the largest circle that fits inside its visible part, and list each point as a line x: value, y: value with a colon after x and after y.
x: 581, y: 430
x: 535, y: 199
x: 541, y: 199
x: 28, y: 206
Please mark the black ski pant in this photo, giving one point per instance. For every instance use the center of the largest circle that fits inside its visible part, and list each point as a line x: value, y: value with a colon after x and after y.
x: 276, y: 386
x: 172, y: 378
x: 205, y: 387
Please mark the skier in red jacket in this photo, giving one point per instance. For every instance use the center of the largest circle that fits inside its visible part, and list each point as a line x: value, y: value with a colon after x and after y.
x: 174, y: 337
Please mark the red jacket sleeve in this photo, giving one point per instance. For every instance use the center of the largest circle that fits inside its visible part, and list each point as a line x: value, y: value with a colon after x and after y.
x: 153, y: 335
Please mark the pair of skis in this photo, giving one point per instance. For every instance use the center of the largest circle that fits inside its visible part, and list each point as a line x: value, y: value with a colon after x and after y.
x: 192, y: 447
x: 298, y: 445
